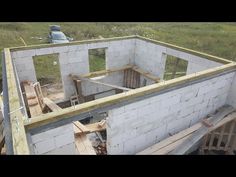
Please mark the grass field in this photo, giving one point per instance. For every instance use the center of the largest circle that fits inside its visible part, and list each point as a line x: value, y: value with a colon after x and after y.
x: 213, y: 38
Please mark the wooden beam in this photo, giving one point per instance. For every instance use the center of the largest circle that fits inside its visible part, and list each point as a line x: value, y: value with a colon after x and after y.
x: 32, y: 99
x: 101, y: 83
x: 89, y: 128
x: 96, y: 127
x: 231, y: 130
x: 82, y: 127
x: 83, y: 145
x: 20, y: 144
x: 39, y: 94
x: 52, y: 106
x: 221, y: 136
x: 146, y: 74
x: 79, y: 91
x: 103, y: 72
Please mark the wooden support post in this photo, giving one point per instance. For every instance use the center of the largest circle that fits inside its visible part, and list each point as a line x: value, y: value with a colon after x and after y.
x: 20, y: 144
x: 39, y: 94
x: 212, y: 137
x: 220, y: 137
x: 79, y: 91
x: 230, y: 135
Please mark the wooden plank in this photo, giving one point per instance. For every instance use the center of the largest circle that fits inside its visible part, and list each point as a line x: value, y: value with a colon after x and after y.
x: 20, y: 144
x: 83, y: 145
x: 137, y: 80
x: 33, y: 102
x: 89, y: 128
x: 196, y: 136
x: 220, y: 136
x: 204, y: 144
x: 82, y: 127
x: 103, y: 72
x: 124, y: 78
x: 101, y: 83
x: 128, y: 78
x: 230, y: 135
x: 212, y: 137
x: 96, y: 127
x: 171, y: 147
x: 39, y: 94
x: 79, y: 91
x: 133, y: 79
x: 146, y: 74
x: 170, y: 140
x: 228, y: 118
x: 52, y: 106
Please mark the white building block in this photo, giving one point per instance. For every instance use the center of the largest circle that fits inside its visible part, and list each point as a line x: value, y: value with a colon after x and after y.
x: 64, y: 139
x: 68, y: 149
x: 44, y: 146
x: 44, y: 51
x: 60, y: 49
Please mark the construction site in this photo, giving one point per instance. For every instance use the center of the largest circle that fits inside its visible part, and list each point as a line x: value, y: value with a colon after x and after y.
x: 135, y: 104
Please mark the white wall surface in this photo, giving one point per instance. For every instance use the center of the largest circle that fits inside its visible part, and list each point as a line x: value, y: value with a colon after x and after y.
x: 136, y: 126
x: 54, y: 141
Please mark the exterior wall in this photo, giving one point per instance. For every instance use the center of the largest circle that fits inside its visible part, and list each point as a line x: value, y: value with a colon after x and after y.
x: 54, y: 141
x: 152, y: 58
x: 74, y: 59
x: 149, y: 57
x: 138, y: 125
x: 231, y: 100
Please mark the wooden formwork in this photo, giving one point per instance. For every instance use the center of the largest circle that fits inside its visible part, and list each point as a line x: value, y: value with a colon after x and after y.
x: 221, y: 139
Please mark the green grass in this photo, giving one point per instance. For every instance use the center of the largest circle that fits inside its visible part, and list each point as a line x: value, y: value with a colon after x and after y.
x: 97, y: 60
x: 49, y: 71
x: 213, y: 38
x: 170, y: 65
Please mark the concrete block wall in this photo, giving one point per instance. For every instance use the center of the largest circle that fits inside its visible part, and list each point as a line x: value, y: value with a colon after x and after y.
x: 115, y: 78
x: 74, y: 59
x: 138, y: 125
x: 152, y: 58
x: 232, y: 93
x: 54, y: 141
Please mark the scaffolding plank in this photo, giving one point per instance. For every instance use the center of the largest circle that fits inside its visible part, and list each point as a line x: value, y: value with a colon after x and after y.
x: 146, y: 74
x: 53, y: 106
x: 82, y: 127
x: 196, y: 136
x: 100, y: 83
x: 84, y: 145
x: 221, y: 136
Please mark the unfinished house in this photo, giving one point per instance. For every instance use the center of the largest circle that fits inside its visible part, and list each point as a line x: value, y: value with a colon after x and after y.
x: 123, y: 95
